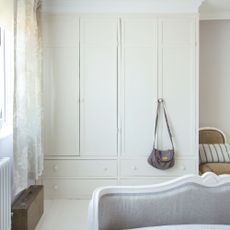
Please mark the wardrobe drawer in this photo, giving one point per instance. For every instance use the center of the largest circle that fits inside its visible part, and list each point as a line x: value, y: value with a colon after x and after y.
x: 140, y: 167
x: 72, y: 188
x: 144, y: 181
x: 80, y: 168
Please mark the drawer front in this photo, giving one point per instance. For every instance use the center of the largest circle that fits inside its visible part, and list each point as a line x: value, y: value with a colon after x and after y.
x: 72, y: 188
x: 148, y: 181
x: 140, y: 167
x: 80, y: 168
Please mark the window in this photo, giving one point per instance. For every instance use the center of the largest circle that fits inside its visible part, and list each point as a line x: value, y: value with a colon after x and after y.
x: 6, y: 78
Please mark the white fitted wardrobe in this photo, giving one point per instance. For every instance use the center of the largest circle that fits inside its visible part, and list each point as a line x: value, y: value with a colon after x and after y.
x: 103, y: 74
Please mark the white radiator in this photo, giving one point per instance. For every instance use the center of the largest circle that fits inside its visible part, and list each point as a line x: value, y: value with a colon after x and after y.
x: 5, y: 194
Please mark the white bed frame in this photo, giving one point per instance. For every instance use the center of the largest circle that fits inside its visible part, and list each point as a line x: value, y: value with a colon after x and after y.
x: 208, y: 179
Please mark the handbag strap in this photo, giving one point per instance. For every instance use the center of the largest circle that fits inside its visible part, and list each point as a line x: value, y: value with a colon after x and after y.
x: 160, y: 102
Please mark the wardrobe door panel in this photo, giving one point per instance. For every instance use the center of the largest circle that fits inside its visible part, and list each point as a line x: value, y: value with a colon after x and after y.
x: 61, y: 84
x: 139, y: 85
x: 178, y: 81
x: 61, y: 105
x: 139, y: 100
x: 98, y: 131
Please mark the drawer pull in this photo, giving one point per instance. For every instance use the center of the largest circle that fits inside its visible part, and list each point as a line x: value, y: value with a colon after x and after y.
x: 55, y: 187
x: 183, y: 168
x: 105, y: 169
x: 135, y: 168
x: 55, y: 168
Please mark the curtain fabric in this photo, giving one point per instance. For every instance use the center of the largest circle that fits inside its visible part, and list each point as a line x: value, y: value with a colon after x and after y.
x: 28, y: 151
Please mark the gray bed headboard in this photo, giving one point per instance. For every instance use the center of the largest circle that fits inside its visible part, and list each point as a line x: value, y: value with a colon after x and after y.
x: 188, y: 204
x: 190, y: 200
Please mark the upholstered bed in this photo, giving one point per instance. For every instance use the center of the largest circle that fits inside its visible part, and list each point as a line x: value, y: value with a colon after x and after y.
x: 212, y: 136
x: 189, y: 202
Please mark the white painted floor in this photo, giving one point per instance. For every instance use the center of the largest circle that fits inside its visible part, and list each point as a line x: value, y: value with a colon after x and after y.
x: 64, y: 215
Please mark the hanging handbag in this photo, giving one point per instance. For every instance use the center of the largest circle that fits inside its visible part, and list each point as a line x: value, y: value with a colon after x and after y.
x: 162, y: 159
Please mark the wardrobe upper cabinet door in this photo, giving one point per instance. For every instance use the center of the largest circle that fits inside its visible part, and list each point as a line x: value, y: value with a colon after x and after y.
x: 61, y: 85
x: 60, y: 30
x: 178, y: 74
x: 98, y: 86
x: 138, y: 84
x: 98, y: 31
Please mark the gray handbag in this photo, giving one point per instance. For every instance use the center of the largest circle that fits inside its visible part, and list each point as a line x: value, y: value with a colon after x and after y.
x: 162, y: 159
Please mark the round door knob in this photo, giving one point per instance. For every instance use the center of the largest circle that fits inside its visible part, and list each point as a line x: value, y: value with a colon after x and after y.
x: 55, y: 187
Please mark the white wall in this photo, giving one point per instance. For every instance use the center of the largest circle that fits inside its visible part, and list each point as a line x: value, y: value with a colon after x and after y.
x: 215, y: 74
x: 6, y: 146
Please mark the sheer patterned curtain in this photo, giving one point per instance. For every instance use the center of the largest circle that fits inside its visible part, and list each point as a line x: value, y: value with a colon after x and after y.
x: 28, y: 151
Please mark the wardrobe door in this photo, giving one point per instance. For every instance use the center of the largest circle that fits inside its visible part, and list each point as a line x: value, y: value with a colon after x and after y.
x: 178, y: 74
x: 98, y: 86
x: 61, y: 84
x: 138, y: 84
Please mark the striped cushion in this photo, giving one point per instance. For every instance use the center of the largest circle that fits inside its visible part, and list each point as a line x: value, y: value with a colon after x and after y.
x: 214, y: 153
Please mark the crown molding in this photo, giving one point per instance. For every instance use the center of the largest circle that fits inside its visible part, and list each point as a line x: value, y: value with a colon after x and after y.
x: 121, y: 6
